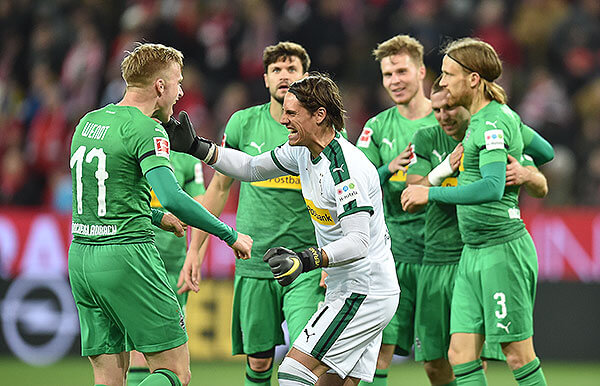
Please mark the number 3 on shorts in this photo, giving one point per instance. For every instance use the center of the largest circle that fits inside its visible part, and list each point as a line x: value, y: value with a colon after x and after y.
x: 501, y: 301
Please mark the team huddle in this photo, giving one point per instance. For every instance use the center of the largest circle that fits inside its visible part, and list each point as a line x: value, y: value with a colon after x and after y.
x: 410, y: 239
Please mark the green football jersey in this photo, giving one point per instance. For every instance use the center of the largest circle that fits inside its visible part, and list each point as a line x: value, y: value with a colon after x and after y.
x: 188, y: 172
x: 111, y: 150
x: 442, y: 237
x: 382, y: 139
x: 272, y: 212
x: 494, y: 132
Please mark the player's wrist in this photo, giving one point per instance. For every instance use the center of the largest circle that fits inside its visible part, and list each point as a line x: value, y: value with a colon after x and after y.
x: 311, y: 258
x: 440, y: 172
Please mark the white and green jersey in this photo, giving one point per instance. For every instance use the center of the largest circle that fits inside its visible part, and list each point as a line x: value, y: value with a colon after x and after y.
x: 111, y: 150
x: 188, y: 172
x: 383, y: 139
x: 339, y: 182
x: 272, y: 212
x: 442, y: 238
x: 494, y: 132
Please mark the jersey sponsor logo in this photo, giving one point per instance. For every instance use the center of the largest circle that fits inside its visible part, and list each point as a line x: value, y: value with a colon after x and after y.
x: 161, y: 147
x: 94, y: 130
x: 450, y: 181
x: 399, y: 176
x: 439, y: 156
x: 386, y: 141
x: 224, y: 140
x: 514, y: 213
x: 257, y: 146
x: 504, y: 327
x: 346, y: 191
x: 494, y: 139
x: 322, y: 216
x: 93, y: 229
x: 285, y: 182
x: 461, y: 166
x: 154, y: 203
x: 365, y: 137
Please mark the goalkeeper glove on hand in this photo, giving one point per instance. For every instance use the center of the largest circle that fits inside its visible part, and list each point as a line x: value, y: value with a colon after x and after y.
x: 183, y: 138
x: 287, y: 265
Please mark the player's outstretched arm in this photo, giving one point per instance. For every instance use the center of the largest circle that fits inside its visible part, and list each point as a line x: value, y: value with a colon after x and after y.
x: 287, y: 265
x: 530, y: 177
x: 183, y: 138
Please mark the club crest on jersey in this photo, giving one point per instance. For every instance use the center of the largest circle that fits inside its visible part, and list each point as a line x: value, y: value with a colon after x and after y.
x: 161, y: 147
x: 365, y: 137
x: 346, y: 191
x: 494, y: 139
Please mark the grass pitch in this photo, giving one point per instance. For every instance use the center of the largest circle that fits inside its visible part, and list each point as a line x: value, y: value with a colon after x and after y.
x: 78, y: 372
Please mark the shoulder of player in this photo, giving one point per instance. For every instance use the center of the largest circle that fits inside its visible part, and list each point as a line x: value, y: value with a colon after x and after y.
x: 379, y: 119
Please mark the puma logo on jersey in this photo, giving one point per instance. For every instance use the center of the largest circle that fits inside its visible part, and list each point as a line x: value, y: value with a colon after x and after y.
x: 387, y: 142
x: 257, y: 147
x: 492, y: 123
x: 339, y: 169
x: 502, y: 326
x: 438, y: 155
x: 308, y: 335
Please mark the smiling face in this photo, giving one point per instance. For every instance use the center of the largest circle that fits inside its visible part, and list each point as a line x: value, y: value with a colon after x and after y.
x: 280, y: 75
x: 453, y: 120
x: 401, y: 77
x: 302, y: 125
x: 169, y: 86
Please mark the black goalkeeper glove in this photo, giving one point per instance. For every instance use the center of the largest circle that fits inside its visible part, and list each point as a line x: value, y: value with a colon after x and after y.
x: 183, y: 138
x: 287, y: 265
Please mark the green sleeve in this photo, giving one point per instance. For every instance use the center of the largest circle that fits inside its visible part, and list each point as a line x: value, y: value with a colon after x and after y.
x: 536, y: 146
x: 489, y: 188
x: 231, y: 137
x: 157, y: 216
x: 421, y: 142
x: 176, y: 201
x: 367, y: 143
x: 384, y: 173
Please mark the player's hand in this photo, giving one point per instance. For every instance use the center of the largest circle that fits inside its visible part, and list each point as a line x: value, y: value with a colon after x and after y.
x: 285, y: 264
x: 322, y: 281
x: 402, y: 160
x: 455, y: 156
x: 170, y: 223
x: 414, y: 197
x: 516, y: 174
x: 183, y: 138
x: 189, y: 276
x: 242, y: 247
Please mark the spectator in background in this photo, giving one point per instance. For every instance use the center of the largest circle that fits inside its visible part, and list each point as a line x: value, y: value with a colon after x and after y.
x: 19, y: 184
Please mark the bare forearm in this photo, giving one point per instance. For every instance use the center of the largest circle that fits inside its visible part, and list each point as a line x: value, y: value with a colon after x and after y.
x: 536, y: 184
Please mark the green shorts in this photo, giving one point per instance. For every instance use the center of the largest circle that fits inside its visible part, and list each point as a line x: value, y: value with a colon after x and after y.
x: 494, y: 291
x: 124, y: 299
x: 261, y: 305
x: 401, y: 329
x: 432, y: 316
x: 173, y: 277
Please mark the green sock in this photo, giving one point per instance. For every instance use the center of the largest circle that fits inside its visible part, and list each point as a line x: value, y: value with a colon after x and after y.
x: 470, y: 374
x: 136, y: 375
x: 161, y: 377
x: 380, y: 378
x: 258, y: 377
x: 530, y: 374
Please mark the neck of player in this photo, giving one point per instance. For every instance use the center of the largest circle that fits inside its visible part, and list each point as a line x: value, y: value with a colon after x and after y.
x: 418, y: 107
x: 321, y: 141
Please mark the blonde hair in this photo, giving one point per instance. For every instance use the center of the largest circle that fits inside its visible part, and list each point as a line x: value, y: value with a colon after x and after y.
x: 475, y: 55
x: 140, y: 67
x: 400, y: 44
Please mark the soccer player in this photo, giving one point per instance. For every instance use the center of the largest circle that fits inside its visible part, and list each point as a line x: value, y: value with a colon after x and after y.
x: 385, y: 141
x: 341, y: 340
x: 272, y: 212
x: 118, y: 280
x: 496, y: 280
x: 438, y: 150
x: 173, y: 250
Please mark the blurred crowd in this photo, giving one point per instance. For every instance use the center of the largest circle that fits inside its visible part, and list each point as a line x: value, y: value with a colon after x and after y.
x: 60, y: 59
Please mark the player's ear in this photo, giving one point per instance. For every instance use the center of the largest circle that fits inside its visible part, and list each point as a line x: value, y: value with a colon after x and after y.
x: 321, y: 113
x: 159, y: 86
x: 266, y: 80
x: 474, y: 79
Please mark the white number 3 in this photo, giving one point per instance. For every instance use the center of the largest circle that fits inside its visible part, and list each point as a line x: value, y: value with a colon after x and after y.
x: 501, y: 300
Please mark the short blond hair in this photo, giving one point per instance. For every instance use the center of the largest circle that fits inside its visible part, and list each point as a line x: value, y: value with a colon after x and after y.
x: 400, y: 44
x: 141, y: 66
x: 475, y: 55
